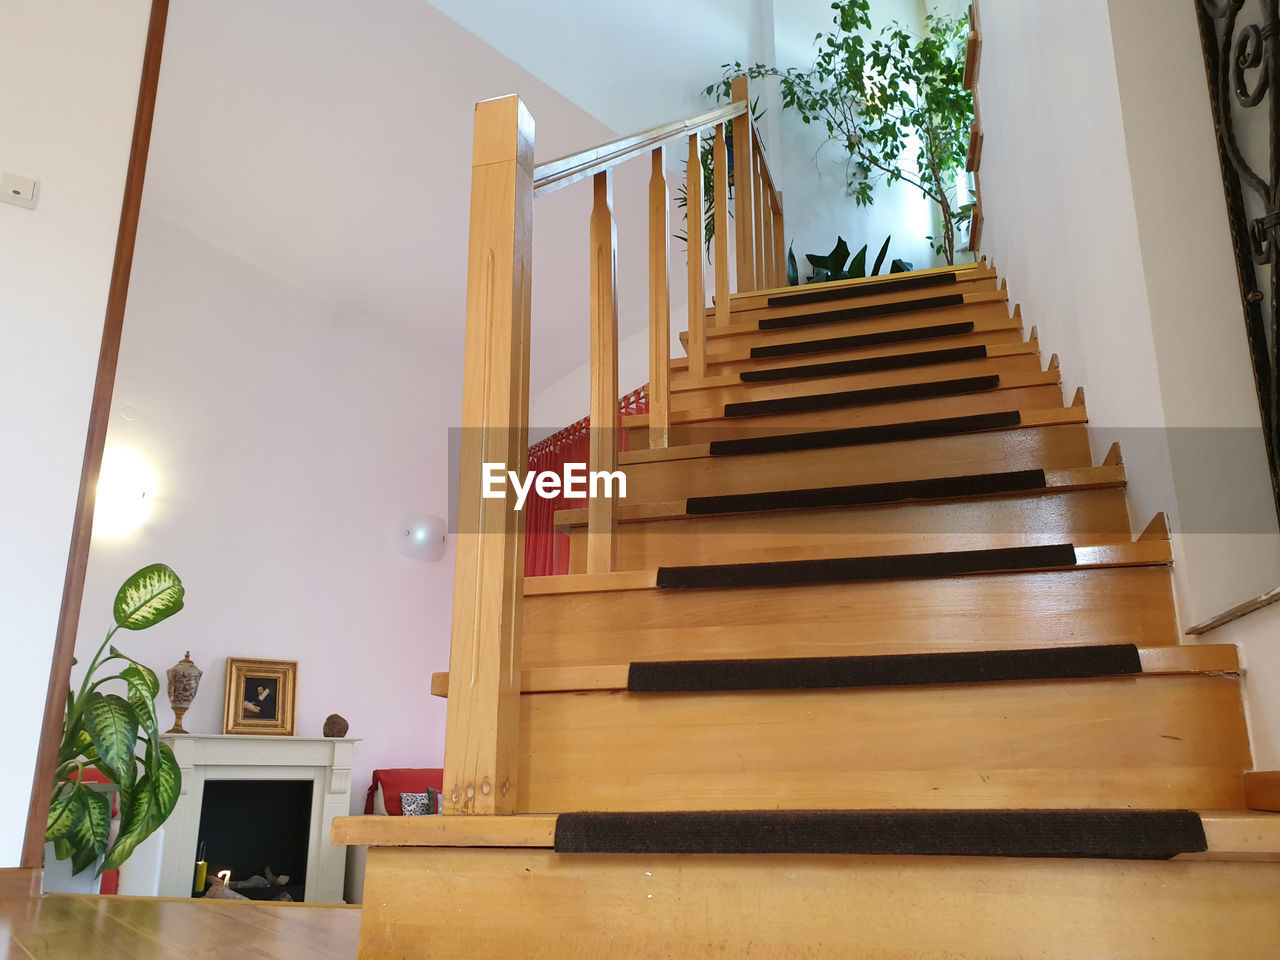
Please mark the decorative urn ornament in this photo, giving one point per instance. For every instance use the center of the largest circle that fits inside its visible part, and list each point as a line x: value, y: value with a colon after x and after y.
x: 335, y: 725
x: 184, y: 681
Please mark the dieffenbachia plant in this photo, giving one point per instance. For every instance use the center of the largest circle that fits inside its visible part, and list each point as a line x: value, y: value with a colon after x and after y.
x: 104, y: 730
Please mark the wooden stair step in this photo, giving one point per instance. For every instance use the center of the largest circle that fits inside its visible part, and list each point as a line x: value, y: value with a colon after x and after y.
x: 1000, y: 345
x: 1047, y: 516
x: 1159, y: 741
x: 861, y: 287
x: 1016, y: 367
x: 996, y: 332
x: 1062, y: 556
x: 1231, y: 835
x: 901, y: 311
x: 539, y: 905
x: 987, y: 312
x: 807, y: 403
x: 882, y: 391
x: 710, y: 426
x: 886, y: 455
x: 984, y: 666
x: 924, y: 490
x: 833, y: 314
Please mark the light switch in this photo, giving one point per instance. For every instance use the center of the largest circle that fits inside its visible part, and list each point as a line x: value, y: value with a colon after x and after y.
x: 18, y: 190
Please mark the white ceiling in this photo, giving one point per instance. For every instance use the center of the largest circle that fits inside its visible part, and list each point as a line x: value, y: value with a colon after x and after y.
x: 329, y: 143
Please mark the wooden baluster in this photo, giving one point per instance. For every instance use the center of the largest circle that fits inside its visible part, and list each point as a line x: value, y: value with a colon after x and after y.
x: 720, y: 182
x: 758, y: 232
x: 779, y: 239
x: 766, y: 238
x: 659, y: 302
x: 602, y: 511
x: 744, y: 190
x: 483, y: 712
x: 696, y: 234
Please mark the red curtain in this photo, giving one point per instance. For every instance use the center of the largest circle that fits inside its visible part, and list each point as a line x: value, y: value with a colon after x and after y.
x: 546, y: 552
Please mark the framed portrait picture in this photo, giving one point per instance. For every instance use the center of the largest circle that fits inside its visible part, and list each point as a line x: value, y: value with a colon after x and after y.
x: 261, y: 696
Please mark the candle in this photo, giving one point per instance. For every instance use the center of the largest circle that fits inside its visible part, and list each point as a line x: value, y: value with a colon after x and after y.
x: 225, y: 877
x: 202, y: 876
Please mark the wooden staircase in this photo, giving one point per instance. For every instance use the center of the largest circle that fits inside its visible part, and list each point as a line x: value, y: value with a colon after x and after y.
x: 1001, y: 711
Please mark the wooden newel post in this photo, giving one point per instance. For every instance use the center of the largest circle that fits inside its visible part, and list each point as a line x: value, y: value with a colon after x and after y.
x: 744, y: 188
x: 659, y: 302
x: 483, y: 714
x: 602, y: 511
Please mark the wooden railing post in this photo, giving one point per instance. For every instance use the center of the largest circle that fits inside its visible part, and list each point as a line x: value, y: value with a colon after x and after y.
x: 659, y: 302
x: 696, y: 235
x: 720, y: 184
x: 764, y: 245
x: 483, y: 712
x: 779, y: 240
x: 602, y: 511
x: 744, y: 188
x: 758, y: 208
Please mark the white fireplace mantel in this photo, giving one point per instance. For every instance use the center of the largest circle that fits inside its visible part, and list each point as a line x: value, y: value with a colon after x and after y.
x: 326, y: 762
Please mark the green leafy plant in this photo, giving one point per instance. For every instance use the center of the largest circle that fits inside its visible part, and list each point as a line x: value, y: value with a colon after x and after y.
x: 706, y: 156
x: 104, y: 730
x: 895, y: 104
x: 832, y: 265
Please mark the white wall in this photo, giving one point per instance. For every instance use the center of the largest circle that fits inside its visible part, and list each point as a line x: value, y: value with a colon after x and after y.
x: 631, y: 66
x: 1104, y: 208
x: 68, y: 91
x: 1230, y: 550
x: 289, y: 437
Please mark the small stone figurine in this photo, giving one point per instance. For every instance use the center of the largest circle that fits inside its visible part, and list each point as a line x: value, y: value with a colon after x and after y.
x: 336, y: 725
x: 184, y: 681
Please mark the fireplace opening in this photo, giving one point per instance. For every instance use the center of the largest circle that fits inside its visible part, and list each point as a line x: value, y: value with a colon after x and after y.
x: 259, y: 830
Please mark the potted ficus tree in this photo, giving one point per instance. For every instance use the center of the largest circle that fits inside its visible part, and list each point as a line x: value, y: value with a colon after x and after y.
x: 103, y: 730
x: 894, y: 104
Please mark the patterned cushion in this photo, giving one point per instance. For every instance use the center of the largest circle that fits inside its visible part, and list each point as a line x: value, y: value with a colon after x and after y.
x: 420, y: 804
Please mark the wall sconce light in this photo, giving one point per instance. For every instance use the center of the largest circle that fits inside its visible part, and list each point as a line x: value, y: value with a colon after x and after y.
x: 423, y: 536
x: 126, y: 493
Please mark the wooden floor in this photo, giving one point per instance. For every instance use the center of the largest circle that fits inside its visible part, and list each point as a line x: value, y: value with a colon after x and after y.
x: 145, y: 928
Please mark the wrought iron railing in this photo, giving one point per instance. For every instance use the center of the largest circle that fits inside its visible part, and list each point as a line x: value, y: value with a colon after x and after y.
x: 1241, y: 40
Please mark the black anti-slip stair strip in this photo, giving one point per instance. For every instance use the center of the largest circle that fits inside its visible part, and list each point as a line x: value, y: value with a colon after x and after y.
x: 862, y: 313
x: 861, y: 398
x: 888, y: 285
x: 910, y: 669
x: 942, y: 488
x: 853, y: 569
x: 897, y: 361
x: 1096, y: 834
x: 863, y: 436
x: 855, y: 341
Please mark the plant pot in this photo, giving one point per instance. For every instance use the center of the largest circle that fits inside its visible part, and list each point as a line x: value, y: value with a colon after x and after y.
x: 57, y: 876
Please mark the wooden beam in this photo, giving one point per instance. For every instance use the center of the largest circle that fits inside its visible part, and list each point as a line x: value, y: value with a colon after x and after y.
x: 482, y: 724
x: 720, y: 187
x: 99, y: 414
x: 603, y: 510
x: 659, y: 301
x: 695, y: 233
x: 744, y: 189
x: 524, y: 830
